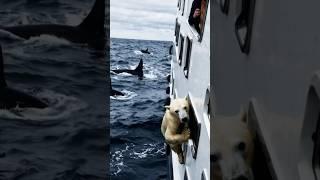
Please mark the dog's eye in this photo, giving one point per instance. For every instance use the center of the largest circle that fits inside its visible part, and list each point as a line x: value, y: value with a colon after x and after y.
x: 241, y: 146
x: 185, y: 108
x: 177, y: 111
x: 214, y: 158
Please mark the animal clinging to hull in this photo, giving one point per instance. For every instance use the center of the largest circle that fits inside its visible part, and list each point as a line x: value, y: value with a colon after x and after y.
x: 174, y: 125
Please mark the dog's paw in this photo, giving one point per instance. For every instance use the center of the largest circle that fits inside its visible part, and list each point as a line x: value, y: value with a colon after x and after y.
x: 181, y: 158
x: 186, y: 133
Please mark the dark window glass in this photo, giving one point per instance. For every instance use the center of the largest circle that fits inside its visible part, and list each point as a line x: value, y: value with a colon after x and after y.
x: 187, y: 63
x: 195, y: 128
x: 181, y: 49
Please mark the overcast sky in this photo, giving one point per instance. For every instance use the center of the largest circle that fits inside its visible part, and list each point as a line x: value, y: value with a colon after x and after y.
x: 142, y: 19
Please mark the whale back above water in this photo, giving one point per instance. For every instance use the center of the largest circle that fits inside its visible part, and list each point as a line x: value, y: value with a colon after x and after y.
x: 138, y: 71
x: 11, y: 98
x: 90, y: 31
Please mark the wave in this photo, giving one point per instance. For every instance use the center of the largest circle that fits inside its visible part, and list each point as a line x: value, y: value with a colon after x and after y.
x: 6, y: 35
x: 138, y: 52
x: 47, y: 39
x: 135, y: 152
x: 127, y: 96
x: 60, y: 106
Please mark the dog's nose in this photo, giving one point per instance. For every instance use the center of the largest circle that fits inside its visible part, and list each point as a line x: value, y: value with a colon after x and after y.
x: 184, y: 119
x: 241, y: 178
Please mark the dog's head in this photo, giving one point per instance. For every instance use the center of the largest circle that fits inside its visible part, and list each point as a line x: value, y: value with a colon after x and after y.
x: 232, y: 149
x: 180, y: 109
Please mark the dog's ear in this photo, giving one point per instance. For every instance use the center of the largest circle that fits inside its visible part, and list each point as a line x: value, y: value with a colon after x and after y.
x: 167, y: 107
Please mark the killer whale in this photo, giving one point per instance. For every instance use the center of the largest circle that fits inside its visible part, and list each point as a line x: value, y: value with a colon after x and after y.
x: 91, y: 31
x: 145, y: 51
x: 11, y: 98
x: 116, y: 93
x: 138, y: 71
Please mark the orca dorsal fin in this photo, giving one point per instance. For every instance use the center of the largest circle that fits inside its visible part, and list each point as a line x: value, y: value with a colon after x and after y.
x: 2, y: 78
x: 94, y: 22
x: 139, y: 69
x: 140, y: 66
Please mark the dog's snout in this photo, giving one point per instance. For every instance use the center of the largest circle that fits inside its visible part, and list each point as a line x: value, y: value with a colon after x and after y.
x: 185, y: 119
x: 241, y: 178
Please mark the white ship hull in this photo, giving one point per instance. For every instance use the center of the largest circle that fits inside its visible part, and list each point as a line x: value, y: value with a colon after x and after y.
x: 196, y: 85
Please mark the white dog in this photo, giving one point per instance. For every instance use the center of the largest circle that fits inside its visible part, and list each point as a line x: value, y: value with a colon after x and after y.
x: 232, y: 148
x: 174, y: 126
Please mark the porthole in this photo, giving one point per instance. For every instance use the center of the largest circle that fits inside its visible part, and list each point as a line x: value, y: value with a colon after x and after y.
x: 188, y: 57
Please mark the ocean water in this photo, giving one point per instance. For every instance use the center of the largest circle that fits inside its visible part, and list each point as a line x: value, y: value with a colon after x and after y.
x: 137, y: 146
x: 68, y: 140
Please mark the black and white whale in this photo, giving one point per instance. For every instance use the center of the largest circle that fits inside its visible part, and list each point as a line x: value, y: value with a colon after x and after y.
x: 138, y: 71
x: 11, y: 98
x: 116, y: 93
x: 91, y: 31
x: 146, y: 51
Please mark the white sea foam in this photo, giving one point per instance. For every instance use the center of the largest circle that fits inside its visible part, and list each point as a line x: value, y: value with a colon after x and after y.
x: 147, y: 150
x: 127, y: 96
x: 138, y: 52
x: 47, y: 39
x: 60, y: 106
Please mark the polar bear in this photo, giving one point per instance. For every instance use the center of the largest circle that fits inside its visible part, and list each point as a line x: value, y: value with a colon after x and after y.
x: 174, y: 125
x: 232, y: 148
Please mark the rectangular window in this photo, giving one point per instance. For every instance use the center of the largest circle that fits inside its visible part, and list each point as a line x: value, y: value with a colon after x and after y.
x: 177, y: 31
x: 198, y: 23
x: 203, y: 15
x: 195, y: 129
x: 187, y: 62
x: 181, y: 47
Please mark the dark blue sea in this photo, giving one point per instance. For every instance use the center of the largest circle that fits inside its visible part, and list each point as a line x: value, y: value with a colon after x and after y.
x: 137, y: 146
x: 68, y: 140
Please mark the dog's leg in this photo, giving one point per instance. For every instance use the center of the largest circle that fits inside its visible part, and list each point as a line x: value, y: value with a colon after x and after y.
x: 172, y: 138
x: 178, y: 149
